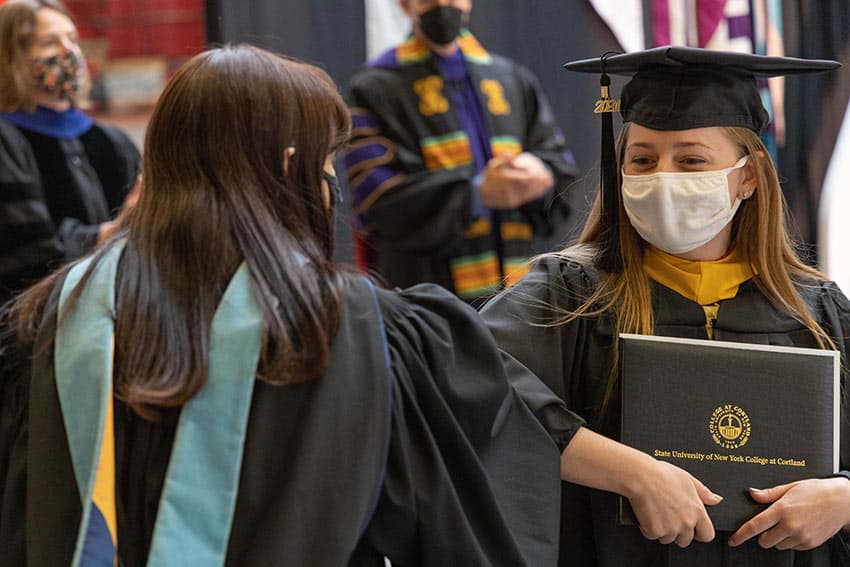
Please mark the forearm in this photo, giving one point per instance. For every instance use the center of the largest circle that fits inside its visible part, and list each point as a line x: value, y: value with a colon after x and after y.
x: 596, y: 461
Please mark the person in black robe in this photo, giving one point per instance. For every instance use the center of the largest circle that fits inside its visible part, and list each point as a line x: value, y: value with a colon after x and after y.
x: 466, y: 139
x: 380, y: 424
x: 687, y: 239
x: 63, y: 177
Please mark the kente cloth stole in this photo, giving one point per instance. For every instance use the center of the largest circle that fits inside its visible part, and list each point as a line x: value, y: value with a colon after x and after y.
x: 198, y: 498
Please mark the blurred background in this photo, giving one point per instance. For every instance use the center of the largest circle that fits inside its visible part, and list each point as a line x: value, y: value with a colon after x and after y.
x: 133, y: 46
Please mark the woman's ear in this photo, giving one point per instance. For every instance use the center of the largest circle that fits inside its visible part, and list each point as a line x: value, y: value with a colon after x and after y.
x: 287, y: 153
x: 749, y: 183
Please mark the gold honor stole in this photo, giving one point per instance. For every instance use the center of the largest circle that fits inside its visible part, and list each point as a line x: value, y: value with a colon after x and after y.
x: 703, y: 282
x: 198, y: 498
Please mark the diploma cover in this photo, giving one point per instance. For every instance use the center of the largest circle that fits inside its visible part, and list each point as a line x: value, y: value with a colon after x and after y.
x: 734, y: 415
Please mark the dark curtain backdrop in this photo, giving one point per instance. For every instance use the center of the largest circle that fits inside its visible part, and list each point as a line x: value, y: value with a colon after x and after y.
x: 329, y: 33
x: 814, y: 105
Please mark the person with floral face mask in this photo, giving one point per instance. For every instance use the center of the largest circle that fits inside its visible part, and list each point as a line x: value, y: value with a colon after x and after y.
x: 687, y: 238
x: 456, y: 162
x: 63, y: 177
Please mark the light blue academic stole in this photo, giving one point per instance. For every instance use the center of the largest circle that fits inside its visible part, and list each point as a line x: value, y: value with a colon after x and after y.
x: 199, y: 494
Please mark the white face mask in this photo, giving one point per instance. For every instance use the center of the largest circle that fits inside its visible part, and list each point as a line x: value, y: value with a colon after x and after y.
x: 679, y: 212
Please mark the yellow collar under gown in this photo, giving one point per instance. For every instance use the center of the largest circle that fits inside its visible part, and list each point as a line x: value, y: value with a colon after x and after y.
x: 703, y: 282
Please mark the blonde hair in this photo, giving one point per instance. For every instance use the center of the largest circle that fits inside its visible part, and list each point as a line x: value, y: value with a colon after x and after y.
x: 17, y: 25
x: 759, y: 231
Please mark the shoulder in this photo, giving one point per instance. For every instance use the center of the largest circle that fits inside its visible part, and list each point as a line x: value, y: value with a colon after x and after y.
x: 830, y: 295
x: 377, y: 86
x: 557, y: 286
x: 507, y: 67
x: 564, y: 278
x: 428, y: 325
x: 420, y: 308
x: 369, y: 77
x: 424, y: 305
x: 502, y: 63
x: 15, y: 150
x: 113, y: 150
x: 816, y: 293
x: 9, y: 131
x: 115, y: 137
x: 394, y: 63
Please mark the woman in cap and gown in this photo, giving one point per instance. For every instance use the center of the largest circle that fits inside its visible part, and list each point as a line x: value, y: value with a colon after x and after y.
x: 687, y: 239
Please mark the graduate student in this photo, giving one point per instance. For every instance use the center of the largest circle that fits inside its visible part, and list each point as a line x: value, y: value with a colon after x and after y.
x: 686, y: 239
x: 210, y: 388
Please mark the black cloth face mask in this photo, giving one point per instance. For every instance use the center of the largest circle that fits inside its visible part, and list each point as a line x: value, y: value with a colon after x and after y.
x: 441, y: 24
x: 334, y: 188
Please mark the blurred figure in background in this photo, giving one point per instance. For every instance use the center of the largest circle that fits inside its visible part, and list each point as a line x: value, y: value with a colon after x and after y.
x: 62, y: 176
x: 456, y: 162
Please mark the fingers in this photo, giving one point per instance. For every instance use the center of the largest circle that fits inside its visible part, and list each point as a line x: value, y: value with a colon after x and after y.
x: 704, y: 530
x: 758, y: 524
x: 684, y: 539
x: 774, y: 537
x: 770, y: 495
x: 498, y: 161
x: 765, y: 520
x: 782, y: 533
x: 707, y: 496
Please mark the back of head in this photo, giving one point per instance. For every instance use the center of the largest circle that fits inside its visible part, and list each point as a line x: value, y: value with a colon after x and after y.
x: 215, y: 148
x: 218, y: 190
x: 221, y: 186
x: 17, y: 25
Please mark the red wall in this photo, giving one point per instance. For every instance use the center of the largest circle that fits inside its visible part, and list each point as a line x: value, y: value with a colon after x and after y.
x: 173, y: 29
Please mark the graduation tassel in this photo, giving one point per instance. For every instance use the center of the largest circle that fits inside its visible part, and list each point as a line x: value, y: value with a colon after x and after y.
x: 608, y: 259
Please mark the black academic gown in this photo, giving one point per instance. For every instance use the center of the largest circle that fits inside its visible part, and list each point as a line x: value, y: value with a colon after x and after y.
x: 415, y: 196
x: 54, y: 194
x: 574, y: 360
x: 418, y: 450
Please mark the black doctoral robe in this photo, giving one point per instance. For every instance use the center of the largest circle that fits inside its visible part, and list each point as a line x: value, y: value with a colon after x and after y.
x: 574, y: 360
x: 411, y: 168
x: 54, y: 194
x: 422, y: 452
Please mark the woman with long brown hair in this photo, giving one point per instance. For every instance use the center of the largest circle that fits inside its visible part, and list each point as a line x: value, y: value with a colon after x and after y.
x: 686, y: 239
x: 210, y: 388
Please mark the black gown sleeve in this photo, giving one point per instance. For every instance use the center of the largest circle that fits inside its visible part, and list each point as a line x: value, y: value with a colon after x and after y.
x: 526, y: 322
x: 13, y: 436
x: 472, y: 478
x: 836, y: 315
x: 29, y: 241
x: 394, y: 179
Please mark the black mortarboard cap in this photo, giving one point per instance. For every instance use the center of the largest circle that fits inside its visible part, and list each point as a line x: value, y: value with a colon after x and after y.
x: 679, y: 88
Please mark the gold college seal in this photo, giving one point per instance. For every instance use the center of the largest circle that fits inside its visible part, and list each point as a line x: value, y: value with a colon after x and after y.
x: 729, y: 426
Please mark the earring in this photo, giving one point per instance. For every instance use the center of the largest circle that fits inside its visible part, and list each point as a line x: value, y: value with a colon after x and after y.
x: 747, y: 194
